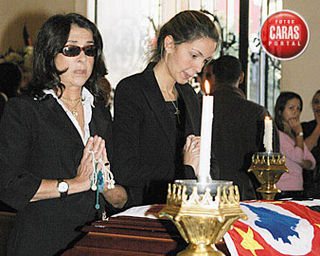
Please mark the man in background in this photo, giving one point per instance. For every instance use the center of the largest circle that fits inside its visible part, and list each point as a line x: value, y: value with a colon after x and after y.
x: 238, y: 127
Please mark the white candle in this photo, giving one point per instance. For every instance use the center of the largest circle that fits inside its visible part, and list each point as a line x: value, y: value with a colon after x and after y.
x: 206, y: 133
x: 267, y: 139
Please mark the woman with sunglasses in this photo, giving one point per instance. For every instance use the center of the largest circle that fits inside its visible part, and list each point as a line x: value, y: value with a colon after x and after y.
x: 50, y: 138
x: 156, y: 112
x: 311, y: 131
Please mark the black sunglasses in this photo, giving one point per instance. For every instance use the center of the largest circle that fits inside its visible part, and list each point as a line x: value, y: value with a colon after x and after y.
x: 73, y: 50
x: 316, y: 101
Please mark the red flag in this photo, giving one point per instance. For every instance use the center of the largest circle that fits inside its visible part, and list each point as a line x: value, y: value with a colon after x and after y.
x: 275, y: 228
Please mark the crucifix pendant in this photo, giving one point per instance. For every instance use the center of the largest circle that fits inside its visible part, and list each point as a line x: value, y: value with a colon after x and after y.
x: 74, y: 113
x: 177, y: 113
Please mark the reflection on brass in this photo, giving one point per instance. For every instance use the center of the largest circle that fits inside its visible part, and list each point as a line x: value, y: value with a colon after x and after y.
x: 202, y: 213
x: 268, y: 168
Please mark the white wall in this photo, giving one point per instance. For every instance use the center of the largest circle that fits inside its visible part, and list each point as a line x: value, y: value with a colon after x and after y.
x: 302, y: 75
x: 14, y: 13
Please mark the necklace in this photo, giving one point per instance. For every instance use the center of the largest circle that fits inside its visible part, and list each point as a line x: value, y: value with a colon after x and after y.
x: 73, y: 109
x: 176, y: 106
x: 177, y: 112
x: 71, y: 100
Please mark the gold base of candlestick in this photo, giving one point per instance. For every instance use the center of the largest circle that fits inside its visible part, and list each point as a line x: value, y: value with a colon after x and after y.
x: 202, y: 213
x: 268, y: 168
x: 200, y: 250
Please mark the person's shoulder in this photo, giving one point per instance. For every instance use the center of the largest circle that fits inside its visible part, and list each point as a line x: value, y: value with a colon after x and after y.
x: 131, y: 82
x: 241, y: 101
x: 26, y: 102
x: 308, y: 127
x: 137, y: 80
x: 254, y: 105
x: 22, y: 106
x: 255, y: 108
x: 308, y: 123
x: 21, y: 100
x: 130, y: 78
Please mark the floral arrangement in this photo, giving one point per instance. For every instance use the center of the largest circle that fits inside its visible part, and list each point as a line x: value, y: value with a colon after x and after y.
x: 21, y: 58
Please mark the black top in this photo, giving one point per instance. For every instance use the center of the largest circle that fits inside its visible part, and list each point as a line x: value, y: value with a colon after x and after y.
x: 144, y: 133
x: 308, y: 128
x: 177, y: 113
x: 38, y: 141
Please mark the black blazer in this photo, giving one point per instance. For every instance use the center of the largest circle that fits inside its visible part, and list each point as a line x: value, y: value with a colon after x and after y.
x: 144, y: 141
x: 38, y: 141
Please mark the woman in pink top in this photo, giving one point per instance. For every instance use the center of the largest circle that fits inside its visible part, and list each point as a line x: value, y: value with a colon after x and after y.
x: 298, y: 157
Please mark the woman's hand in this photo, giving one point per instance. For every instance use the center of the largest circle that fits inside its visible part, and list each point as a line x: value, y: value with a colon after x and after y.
x: 191, y: 152
x: 295, y: 125
x: 94, y: 145
x: 48, y: 188
x: 117, y: 196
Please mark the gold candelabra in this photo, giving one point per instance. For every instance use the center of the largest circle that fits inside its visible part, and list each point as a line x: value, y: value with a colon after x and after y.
x: 268, y: 168
x: 202, y: 212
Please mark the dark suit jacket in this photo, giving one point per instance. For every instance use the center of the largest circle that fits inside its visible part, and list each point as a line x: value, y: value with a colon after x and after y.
x: 308, y: 128
x: 144, y: 141
x: 38, y: 141
x: 238, y: 130
x: 311, y: 180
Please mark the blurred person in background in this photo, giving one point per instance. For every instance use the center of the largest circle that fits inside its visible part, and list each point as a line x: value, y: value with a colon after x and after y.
x: 238, y: 127
x: 10, y: 82
x: 292, y: 145
x: 311, y: 132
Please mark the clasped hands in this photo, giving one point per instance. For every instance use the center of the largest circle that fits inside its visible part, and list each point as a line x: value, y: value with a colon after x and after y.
x: 116, y: 196
x: 191, y: 152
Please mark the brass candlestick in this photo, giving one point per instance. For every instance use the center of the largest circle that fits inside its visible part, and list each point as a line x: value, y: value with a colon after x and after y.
x: 202, y: 212
x: 268, y: 168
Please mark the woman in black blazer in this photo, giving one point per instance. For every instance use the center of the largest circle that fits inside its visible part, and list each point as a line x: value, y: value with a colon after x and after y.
x: 48, y: 136
x: 156, y: 110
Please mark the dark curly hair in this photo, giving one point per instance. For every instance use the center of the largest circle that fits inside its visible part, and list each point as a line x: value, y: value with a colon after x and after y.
x: 51, y: 38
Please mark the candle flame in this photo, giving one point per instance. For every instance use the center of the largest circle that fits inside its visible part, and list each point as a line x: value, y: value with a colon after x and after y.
x: 206, y: 87
x: 267, y: 118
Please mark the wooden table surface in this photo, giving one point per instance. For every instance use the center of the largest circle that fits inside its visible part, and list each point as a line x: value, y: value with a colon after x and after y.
x: 127, y: 236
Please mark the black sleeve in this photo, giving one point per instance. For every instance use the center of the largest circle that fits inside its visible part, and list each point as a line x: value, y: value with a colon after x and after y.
x: 125, y: 132
x: 17, y: 184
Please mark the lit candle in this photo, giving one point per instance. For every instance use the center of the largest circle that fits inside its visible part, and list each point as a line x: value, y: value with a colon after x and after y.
x: 206, y: 133
x: 267, y: 139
